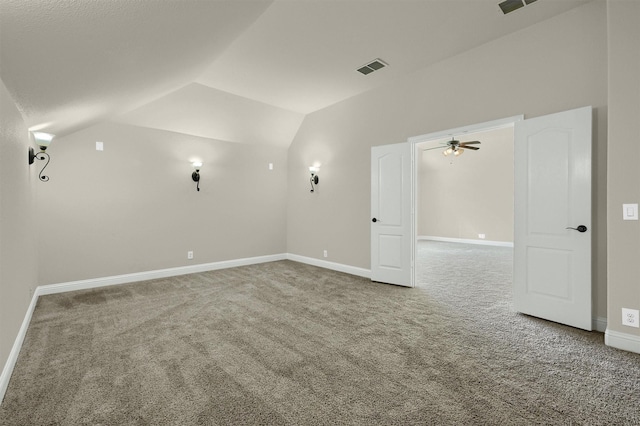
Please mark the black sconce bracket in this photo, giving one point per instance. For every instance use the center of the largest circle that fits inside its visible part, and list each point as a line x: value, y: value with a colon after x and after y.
x: 40, y: 156
x: 196, y: 178
x: 314, y: 181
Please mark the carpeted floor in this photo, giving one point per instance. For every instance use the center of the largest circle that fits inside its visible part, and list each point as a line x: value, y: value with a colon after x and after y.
x: 288, y: 343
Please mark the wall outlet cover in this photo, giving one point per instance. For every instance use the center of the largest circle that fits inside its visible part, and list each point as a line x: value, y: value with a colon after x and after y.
x: 630, y: 317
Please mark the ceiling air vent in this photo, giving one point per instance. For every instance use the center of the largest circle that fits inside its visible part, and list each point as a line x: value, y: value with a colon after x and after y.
x: 509, y: 6
x: 374, y: 65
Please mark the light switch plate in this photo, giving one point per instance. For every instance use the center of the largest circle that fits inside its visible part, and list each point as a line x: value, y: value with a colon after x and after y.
x: 99, y: 146
x: 630, y: 212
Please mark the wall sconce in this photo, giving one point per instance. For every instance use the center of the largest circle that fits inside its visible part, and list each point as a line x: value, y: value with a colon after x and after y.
x: 43, y: 140
x: 196, y: 173
x: 314, y: 179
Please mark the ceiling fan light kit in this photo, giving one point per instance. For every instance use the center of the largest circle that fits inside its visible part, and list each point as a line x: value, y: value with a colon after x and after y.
x: 456, y: 147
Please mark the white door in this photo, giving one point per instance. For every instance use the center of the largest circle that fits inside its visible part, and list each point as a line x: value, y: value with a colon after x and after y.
x: 552, y: 264
x: 391, y: 212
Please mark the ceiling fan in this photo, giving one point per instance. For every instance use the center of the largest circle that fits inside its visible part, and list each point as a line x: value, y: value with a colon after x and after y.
x: 456, y: 147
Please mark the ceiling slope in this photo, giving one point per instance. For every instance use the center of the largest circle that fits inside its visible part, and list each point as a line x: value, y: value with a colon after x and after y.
x: 202, y: 111
x: 71, y: 63
x: 303, y: 55
x: 238, y: 70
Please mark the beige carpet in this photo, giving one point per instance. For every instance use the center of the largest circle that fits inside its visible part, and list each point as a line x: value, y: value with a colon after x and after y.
x: 288, y: 343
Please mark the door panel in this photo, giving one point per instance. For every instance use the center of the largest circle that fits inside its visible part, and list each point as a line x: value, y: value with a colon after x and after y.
x: 552, y: 264
x: 391, y: 241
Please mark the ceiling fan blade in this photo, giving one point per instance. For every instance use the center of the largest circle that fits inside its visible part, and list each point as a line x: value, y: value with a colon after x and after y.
x: 475, y: 148
x: 470, y: 143
x: 435, y: 147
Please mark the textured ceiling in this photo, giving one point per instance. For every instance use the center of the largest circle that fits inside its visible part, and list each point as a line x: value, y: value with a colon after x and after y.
x: 202, y: 111
x: 70, y: 63
x: 243, y: 71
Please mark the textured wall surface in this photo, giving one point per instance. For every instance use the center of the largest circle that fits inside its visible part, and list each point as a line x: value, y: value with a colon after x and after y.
x: 557, y: 65
x: 134, y: 207
x: 18, y: 257
x: 624, y: 155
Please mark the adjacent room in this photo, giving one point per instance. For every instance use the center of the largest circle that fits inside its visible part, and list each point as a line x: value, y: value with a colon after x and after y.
x: 186, y: 204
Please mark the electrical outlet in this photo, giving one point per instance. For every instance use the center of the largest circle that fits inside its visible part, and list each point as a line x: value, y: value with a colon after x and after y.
x: 481, y: 236
x: 630, y: 317
x: 326, y: 254
x: 189, y: 255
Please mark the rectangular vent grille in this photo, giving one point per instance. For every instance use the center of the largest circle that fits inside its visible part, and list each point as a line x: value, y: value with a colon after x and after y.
x: 372, y: 66
x: 509, y: 6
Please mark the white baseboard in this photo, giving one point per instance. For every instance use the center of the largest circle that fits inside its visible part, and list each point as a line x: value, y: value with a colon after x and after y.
x: 599, y: 324
x: 151, y: 275
x: 353, y: 270
x: 624, y: 341
x: 17, y: 345
x: 612, y: 338
x: 109, y: 281
x: 44, y: 290
x: 467, y: 241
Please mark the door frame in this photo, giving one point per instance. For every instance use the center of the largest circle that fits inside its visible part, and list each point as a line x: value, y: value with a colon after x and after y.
x: 415, y: 140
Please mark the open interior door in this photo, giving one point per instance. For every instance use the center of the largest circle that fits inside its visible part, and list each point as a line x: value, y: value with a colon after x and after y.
x: 391, y: 214
x: 552, y: 238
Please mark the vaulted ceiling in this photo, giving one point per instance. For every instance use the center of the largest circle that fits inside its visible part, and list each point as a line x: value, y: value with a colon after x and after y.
x: 240, y: 71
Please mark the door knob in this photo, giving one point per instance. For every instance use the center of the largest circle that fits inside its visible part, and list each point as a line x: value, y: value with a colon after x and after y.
x: 374, y: 220
x: 580, y: 228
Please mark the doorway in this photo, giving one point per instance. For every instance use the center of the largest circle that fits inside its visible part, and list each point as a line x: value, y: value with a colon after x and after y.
x: 466, y: 198
x: 552, y: 194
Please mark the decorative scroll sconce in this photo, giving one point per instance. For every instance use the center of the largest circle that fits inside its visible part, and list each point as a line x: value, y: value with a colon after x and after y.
x: 43, y: 140
x: 196, y: 173
x: 314, y: 179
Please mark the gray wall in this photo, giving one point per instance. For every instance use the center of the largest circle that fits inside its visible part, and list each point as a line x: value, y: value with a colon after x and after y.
x: 557, y: 65
x: 461, y: 197
x: 133, y: 207
x: 624, y: 157
x: 18, y: 263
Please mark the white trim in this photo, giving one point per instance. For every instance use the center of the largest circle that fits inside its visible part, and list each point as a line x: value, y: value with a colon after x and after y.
x: 612, y: 338
x: 479, y: 127
x: 17, y: 345
x: 467, y: 241
x: 44, y: 290
x: 159, y: 273
x: 109, y: 281
x: 415, y: 186
x: 353, y: 270
x: 624, y: 341
x: 599, y: 324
